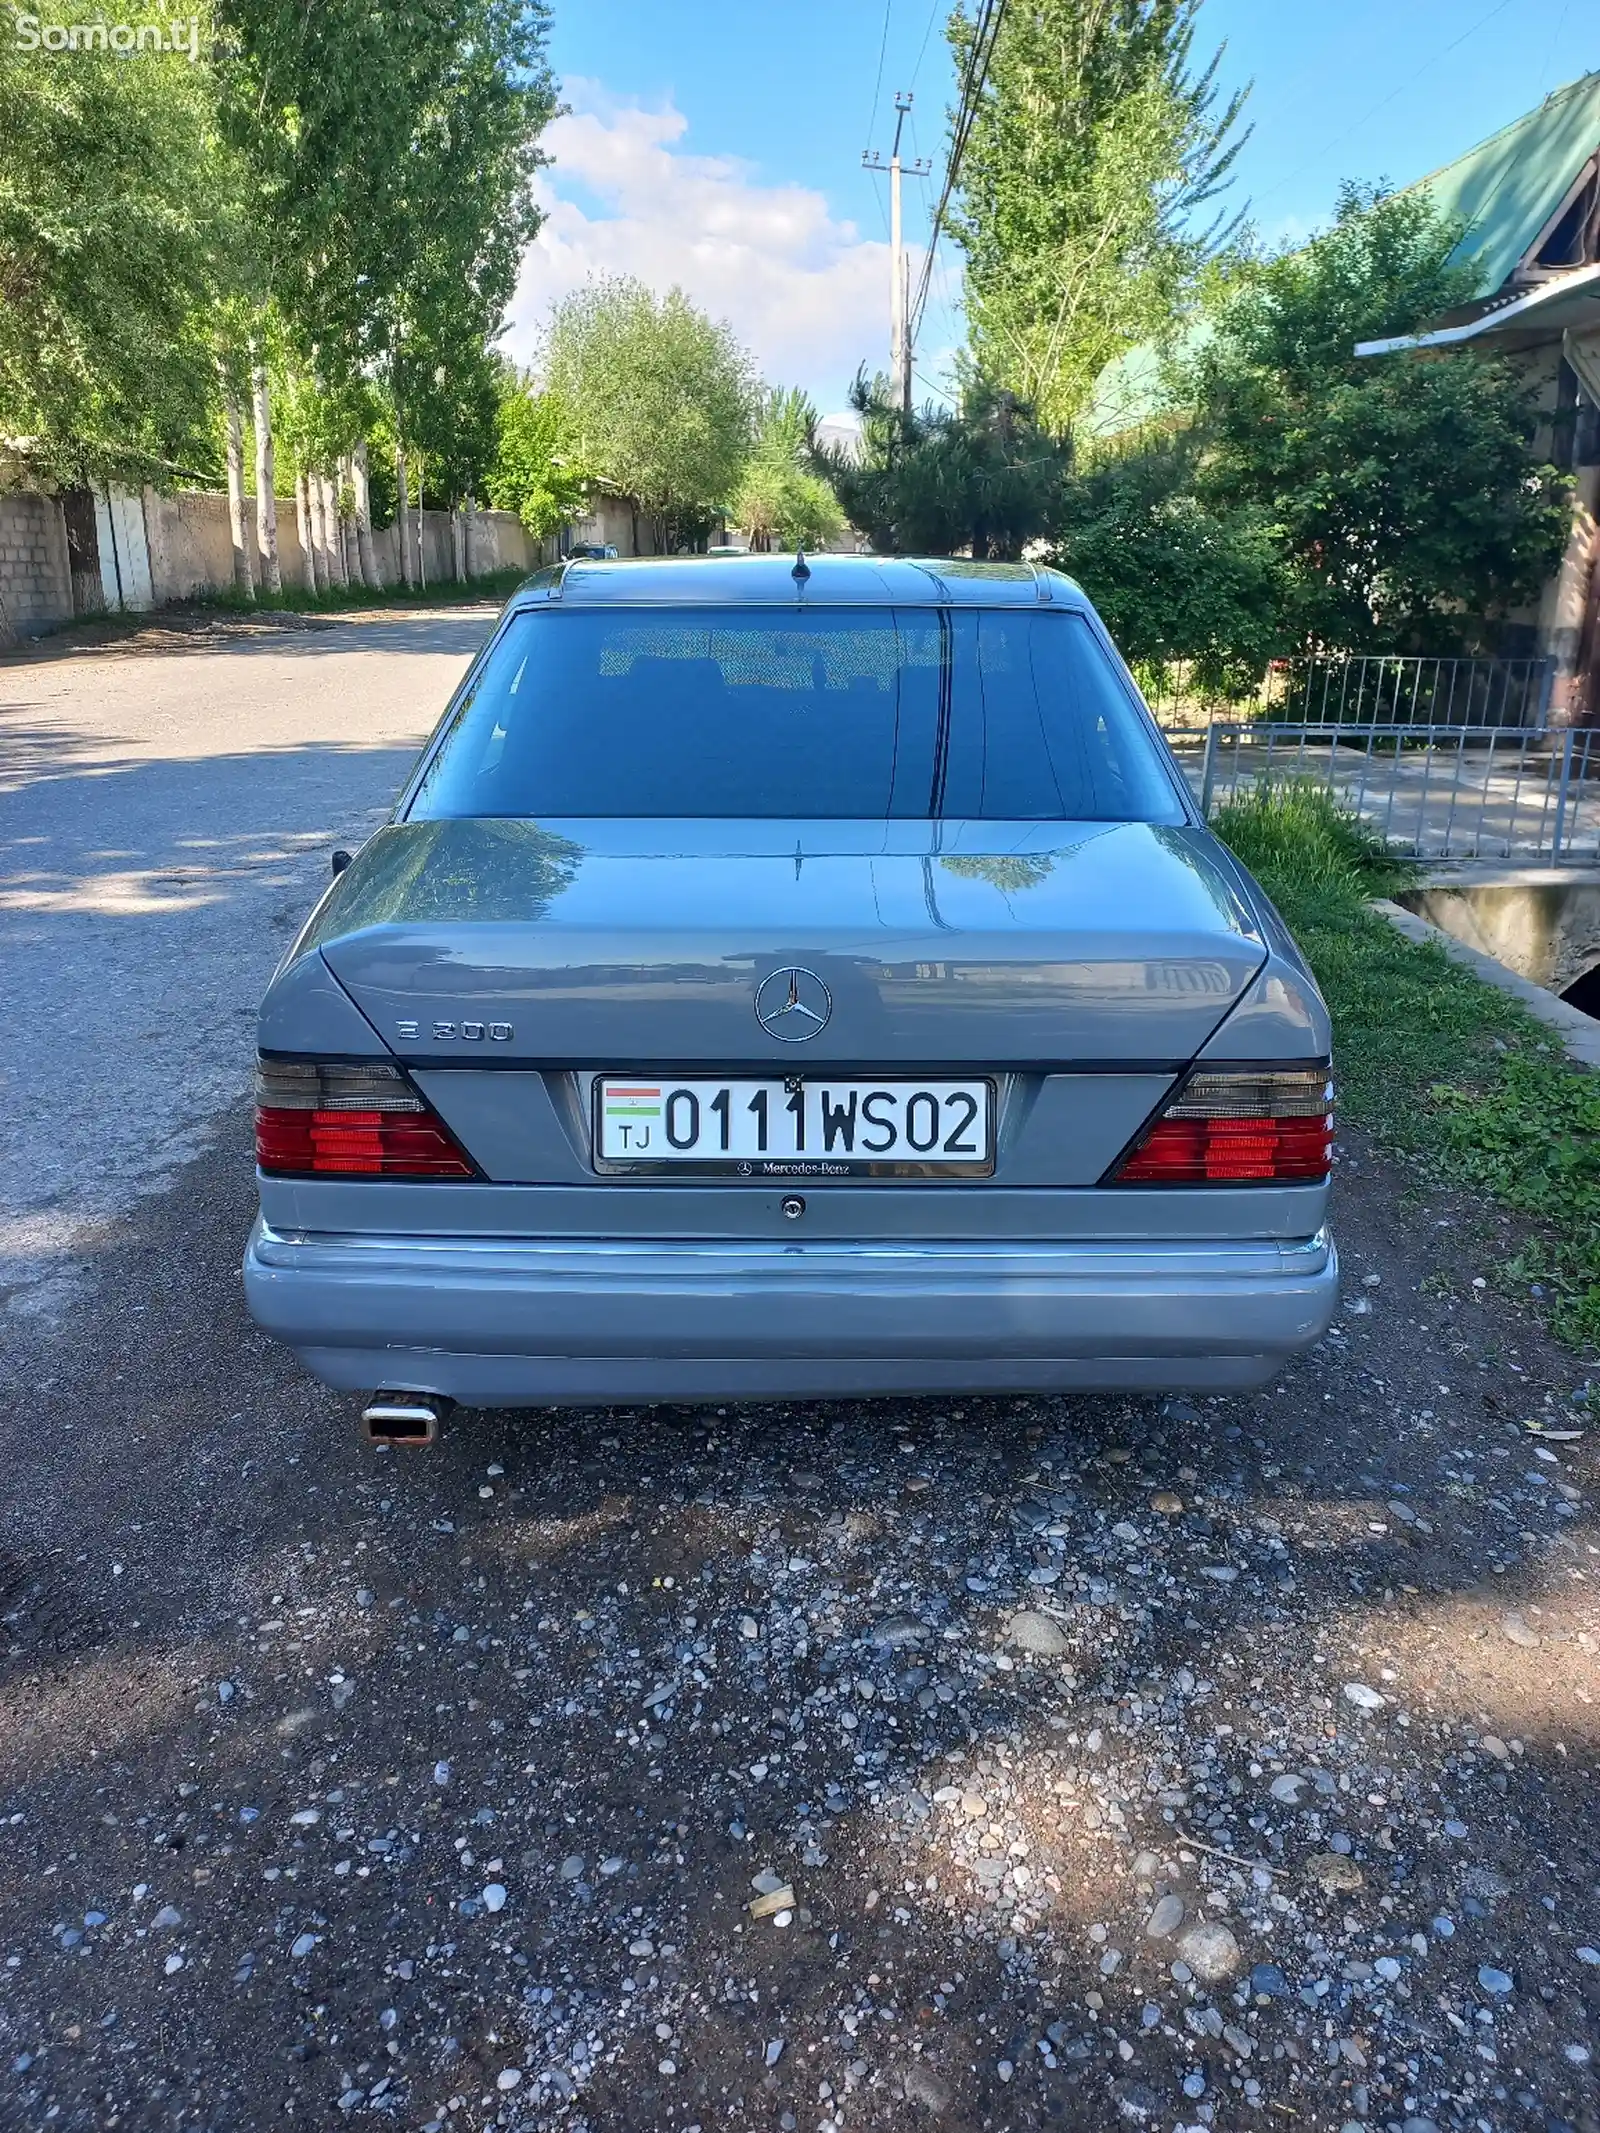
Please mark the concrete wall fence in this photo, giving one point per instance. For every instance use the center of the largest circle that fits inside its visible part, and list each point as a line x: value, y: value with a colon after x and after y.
x: 154, y: 549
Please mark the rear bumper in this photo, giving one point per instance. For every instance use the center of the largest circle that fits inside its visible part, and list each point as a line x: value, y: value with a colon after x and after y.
x: 511, y: 1323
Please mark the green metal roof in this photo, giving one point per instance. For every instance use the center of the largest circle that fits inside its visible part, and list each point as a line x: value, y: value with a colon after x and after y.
x: 1131, y: 392
x: 1505, y: 190
x: 1509, y: 186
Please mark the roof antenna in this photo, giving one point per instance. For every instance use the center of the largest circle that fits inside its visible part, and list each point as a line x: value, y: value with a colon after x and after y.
x: 802, y: 569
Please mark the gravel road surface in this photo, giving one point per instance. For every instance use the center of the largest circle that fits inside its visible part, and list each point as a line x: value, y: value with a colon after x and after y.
x: 898, y: 1764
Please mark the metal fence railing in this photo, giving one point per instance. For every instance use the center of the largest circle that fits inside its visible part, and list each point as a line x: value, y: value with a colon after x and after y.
x: 1436, y: 792
x: 1357, y: 689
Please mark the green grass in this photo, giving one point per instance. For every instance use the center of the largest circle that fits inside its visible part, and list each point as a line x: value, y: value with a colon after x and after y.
x: 1441, y: 1068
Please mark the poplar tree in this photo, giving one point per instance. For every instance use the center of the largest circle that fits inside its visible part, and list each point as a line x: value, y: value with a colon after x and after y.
x: 1087, y: 192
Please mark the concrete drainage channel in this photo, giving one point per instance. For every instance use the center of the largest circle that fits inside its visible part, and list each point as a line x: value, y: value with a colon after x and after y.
x: 1532, y: 931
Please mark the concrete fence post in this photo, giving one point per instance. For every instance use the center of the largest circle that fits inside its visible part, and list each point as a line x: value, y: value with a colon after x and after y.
x: 1208, y: 773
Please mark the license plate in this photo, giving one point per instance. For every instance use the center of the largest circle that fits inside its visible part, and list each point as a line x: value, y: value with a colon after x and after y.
x: 794, y: 1128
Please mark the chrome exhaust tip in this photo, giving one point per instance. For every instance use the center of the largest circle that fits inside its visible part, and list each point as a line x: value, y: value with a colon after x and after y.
x: 404, y: 1417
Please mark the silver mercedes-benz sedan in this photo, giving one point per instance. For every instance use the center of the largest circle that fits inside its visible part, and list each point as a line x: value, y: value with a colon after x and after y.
x: 785, y: 979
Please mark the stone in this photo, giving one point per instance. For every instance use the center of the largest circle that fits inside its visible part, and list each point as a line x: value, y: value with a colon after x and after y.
x: 1495, y: 1981
x: 774, y: 2051
x: 1165, y: 1919
x: 1033, y: 1632
x: 922, y: 2085
x: 1211, y: 1952
x: 1286, y: 1790
x: 572, y: 1867
x: 1517, y: 1631
x: 1268, y: 1980
x: 494, y: 1897
x: 509, y: 2077
x: 1333, y: 1872
x: 303, y: 1945
x: 1364, y: 1699
x: 897, y: 1633
x: 1169, y: 1506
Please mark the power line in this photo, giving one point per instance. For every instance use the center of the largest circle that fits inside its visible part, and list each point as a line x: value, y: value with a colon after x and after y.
x: 933, y: 16
x: 986, y: 31
x: 1383, y: 104
x: 877, y: 86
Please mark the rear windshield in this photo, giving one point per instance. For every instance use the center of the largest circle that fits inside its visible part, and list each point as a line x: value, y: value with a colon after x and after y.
x: 831, y: 713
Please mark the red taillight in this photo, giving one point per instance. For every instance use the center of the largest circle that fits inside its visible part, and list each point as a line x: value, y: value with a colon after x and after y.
x: 331, y: 1121
x: 1247, y: 1125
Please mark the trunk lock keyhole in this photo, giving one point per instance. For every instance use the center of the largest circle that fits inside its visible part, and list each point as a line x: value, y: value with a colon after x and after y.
x: 793, y: 1207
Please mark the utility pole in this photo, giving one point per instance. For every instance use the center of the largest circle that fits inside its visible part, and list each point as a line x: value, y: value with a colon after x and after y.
x: 899, y: 285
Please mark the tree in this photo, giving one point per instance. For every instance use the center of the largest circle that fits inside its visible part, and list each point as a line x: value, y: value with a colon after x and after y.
x: 536, y: 471
x: 1094, y: 150
x: 1174, y: 577
x: 780, y: 501
x: 110, y: 262
x: 662, y: 400
x: 1402, y: 490
x: 983, y: 477
x: 393, y: 154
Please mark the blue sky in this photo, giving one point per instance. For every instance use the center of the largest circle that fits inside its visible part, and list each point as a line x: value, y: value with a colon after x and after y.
x: 721, y: 147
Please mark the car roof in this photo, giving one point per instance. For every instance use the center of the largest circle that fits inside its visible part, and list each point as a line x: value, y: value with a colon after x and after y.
x: 770, y: 581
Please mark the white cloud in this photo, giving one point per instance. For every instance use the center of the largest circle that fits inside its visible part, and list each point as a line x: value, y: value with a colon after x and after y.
x: 806, y: 293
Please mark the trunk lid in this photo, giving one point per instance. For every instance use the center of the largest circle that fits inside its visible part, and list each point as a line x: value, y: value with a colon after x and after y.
x: 633, y: 943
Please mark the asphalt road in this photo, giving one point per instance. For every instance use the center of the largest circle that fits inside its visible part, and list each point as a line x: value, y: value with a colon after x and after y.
x: 166, y: 817
x: 1221, y: 1764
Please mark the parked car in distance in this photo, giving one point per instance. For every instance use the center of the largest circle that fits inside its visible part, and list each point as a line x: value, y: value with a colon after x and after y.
x: 591, y: 552
x: 786, y: 980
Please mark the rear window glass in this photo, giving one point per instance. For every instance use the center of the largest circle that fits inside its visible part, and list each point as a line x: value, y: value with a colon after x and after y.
x: 831, y: 713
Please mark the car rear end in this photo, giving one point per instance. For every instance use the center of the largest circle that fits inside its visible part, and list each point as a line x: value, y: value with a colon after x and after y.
x: 777, y: 987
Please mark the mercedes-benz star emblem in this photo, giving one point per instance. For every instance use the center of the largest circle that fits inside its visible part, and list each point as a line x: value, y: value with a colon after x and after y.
x: 792, y: 1005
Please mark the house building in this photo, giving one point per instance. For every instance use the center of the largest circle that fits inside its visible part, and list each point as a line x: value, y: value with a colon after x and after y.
x: 1529, y: 200
x: 1528, y: 203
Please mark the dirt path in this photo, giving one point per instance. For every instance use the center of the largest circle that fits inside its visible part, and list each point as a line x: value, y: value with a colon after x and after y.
x: 434, y: 1790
